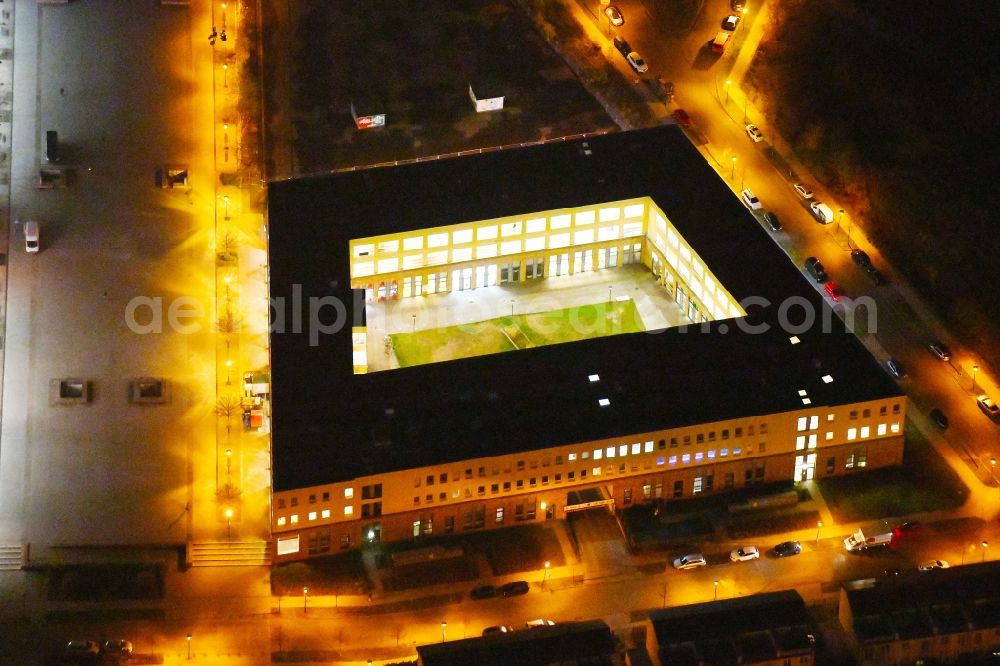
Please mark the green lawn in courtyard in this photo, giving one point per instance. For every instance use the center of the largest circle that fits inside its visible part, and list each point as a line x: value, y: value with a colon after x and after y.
x: 507, y: 334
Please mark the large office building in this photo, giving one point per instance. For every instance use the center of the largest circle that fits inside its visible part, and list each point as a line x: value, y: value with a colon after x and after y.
x: 728, y: 369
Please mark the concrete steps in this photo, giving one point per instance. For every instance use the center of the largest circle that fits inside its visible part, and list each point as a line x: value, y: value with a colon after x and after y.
x: 229, y: 553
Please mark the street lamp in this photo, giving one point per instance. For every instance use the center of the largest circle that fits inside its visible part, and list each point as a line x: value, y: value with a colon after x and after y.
x: 610, y: 288
x: 975, y: 369
x: 728, y: 82
x: 305, y: 599
x: 189, y: 646
x: 512, y: 308
x: 985, y: 544
x: 546, y: 576
x: 414, y: 318
x: 225, y: 75
x: 819, y: 524
x: 733, y: 175
x: 229, y: 374
x: 225, y: 200
x: 715, y: 583
x: 444, y: 628
x: 229, y: 460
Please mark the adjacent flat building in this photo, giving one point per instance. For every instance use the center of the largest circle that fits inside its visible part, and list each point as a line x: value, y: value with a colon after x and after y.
x: 704, y: 359
x: 937, y: 616
x: 770, y: 629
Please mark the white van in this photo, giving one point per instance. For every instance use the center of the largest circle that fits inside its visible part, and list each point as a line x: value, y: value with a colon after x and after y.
x: 822, y: 212
x: 31, y: 236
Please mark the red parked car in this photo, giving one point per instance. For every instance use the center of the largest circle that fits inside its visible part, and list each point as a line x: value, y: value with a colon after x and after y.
x: 682, y: 118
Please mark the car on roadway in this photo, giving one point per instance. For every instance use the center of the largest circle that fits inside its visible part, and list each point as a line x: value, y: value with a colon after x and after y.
x: 83, y: 647
x: 638, y: 64
x: 498, y: 629
x: 895, y: 368
x: 875, y: 276
x: 821, y: 212
x: 988, y: 407
x: 940, y: 420
x: 803, y: 191
x: 908, y: 529
x: 514, y: 589
x: 787, y: 549
x: 690, y: 561
x: 833, y: 291
x: 718, y: 45
x: 622, y: 46
x: 119, y: 647
x: 614, y: 16
x: 737, y: 5
x: 540, y: 622
x: 754, y: 133
x: 483, y: 592
x: 930, y: 565
x: 730, y: 22
x: 861, y: 258
x: 681, y: 117
x: 939, y: 350
x: 815, y: 269
x: 772, y: 221
x: 744, y: 554
x: 750, y: 199
x: 31, y: 236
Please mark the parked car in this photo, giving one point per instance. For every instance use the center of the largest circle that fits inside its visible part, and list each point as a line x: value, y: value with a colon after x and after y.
x: 614, y: 15
x: 787, y: 548
x: 690, y: 561
x: 119, y: 647
x: 939, y: 350
x: 622, y: 46
x: 744, y: 554
x: 538, y: 623
x: 83, y: 647
x: 730, y: 22
x: 875, y: 276
x: 514, y: 589
x: 895, y: 368
x: 939, y: 418
x: 638, y: 64
x: 803, y: 191
x: 930, y: 565
x: 737, y: 5
x: 483, y: 592
x: 754, y: 133
x: 681, y: 117
x: 820, y: 211
x: 861, y: 258
x: 988, y: 407
x: 772, y: 221
x: 816, y: 269
x: 720, y: 42
x: 31, y: 236
x: 833, y: 291
x: 498, y: 629
x: 908, y: 529
x: 751, y: 200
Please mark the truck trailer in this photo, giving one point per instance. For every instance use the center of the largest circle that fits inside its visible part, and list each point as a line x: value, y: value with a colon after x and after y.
x: 860, y: 542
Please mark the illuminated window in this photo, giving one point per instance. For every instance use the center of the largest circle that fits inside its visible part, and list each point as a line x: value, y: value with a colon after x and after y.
x: 686, y: 458
x: 737, y: 451
x: 437, y: 240
x: 571, y: 457
x: 603, y: 402
x: 462, y: 236
x: 852, y: 433
x: 812, y: 442
x: 596, y: 471
x: 295, y: 519
x: 865, y: 432
x: 813, y: 422
x: 348, y: 493
x: 648, y: 447
x: 281, y: 521
x: 348, y: 510
x: 802, y: 423
x: 623, y: 450
x: 673, y: 460
x: 829, y: 418
x: 699, y: 456
x: 882, y: 429
x: 829, y: 436
x: 723, y: 453
x: 800, y: 442
x: 609, y: 452
x: 559, y: 221
x: 413, y: 243
x: 486, y: 233
x: 894, y: 427
x: 325, y: 513
x: 598, y: 454
x: 312, y: 515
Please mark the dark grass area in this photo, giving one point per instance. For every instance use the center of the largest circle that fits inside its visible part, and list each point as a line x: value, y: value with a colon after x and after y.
x: 924, y: 482
x: 769, y: 522
x: 336, y: 574
x: 105, y: 582
x: 415, y: 62
x: 451, y: 570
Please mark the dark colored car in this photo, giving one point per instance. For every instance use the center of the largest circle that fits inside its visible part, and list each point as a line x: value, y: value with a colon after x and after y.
x: 895, y: 369
x: 483, y: 592
x: 939, y: 418
x: 940, y: 350
x: 737, y: 5
x: 907, y: 529
x: 787, y: 548
x: 682, y: 118
x: 622, y: 46
x: 772, y: 221
x: 875, y: 276
x: 498, y: 629
x: 861, y: 258
x: 514, y: 589
x: 816, y: 269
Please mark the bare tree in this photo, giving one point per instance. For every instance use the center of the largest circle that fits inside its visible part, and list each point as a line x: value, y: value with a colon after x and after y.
x: 226, y: 408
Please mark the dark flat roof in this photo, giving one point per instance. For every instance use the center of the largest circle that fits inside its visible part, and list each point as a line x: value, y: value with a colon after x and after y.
x: 330, y: 425
x: 590, y: 642
x: 729, y: 619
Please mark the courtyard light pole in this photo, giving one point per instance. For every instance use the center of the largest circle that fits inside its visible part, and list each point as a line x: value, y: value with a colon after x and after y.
x: 512, y: 308
x: 414, y: 318
x: 715, y: 584
x: 189, y: 646
x: 305, y: 599
x: 819, y: 524
x: 975, y: 369
x: 733, y: 174
x: 985, y: 545
x: 728, y: 83
x: 545, y: 578
x: 444, y: 629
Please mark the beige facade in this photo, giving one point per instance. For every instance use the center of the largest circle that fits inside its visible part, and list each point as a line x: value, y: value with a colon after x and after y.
x: 499, y: 491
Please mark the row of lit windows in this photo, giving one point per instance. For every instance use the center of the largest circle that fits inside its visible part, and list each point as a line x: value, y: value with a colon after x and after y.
x: 812, y: 422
